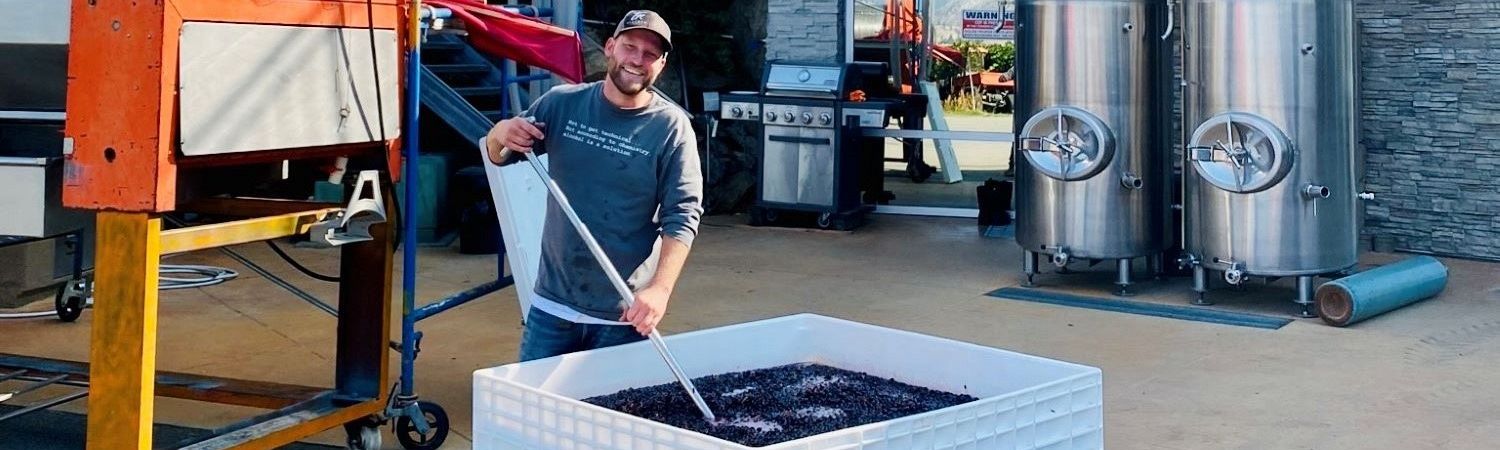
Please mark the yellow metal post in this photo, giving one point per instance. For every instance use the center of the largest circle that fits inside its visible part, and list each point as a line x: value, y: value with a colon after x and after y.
x: 122, y: 351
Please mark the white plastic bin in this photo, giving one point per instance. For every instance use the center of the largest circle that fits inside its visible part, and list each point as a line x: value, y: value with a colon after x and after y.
x: 1025, y: 402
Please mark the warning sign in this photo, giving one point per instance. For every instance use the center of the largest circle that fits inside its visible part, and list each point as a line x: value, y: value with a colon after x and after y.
x: 990, y: 24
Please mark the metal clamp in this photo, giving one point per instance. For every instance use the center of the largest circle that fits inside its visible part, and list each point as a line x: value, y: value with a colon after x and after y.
x: 1187, y: 260
x: 1061, y: 258
x: 353, y: 224
x: 1235, y: 274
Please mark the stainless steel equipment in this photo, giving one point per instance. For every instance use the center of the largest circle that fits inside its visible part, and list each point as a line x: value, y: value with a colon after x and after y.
x: 1096, y: 111
x: 33, y: 92
x: 1269, y: 165
x: 813, y: 159
x: 53, y: 244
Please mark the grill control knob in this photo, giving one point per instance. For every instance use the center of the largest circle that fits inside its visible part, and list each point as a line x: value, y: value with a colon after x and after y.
x: 790, y: 118
x: 825, y: 118
x: 737, y: 112
x: 770, y: 117
x: 807, y: 117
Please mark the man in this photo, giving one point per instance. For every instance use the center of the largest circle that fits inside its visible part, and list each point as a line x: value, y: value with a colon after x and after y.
x: 628, y: 161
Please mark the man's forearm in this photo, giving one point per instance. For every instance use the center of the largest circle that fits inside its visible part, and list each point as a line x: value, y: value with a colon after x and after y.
x: 673, y: 256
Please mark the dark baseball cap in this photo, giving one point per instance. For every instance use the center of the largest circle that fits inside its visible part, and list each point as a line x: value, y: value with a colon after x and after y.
x: 642, y: 19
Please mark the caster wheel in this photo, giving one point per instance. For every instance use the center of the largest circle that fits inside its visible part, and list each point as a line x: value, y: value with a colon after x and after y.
x: 825, y: 220
x: 364, y: 434
x: 919, y: 172
x: 437, y: 428
x: 771, y: 215
x: 69, y: 306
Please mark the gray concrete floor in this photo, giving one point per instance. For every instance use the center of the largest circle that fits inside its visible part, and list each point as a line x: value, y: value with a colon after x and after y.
x: 1418, y: 378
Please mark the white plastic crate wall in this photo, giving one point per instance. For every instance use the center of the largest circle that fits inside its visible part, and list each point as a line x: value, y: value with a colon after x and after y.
x: 1025, y: 402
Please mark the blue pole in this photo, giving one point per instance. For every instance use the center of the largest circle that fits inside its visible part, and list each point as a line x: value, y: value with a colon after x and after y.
x: 504, y: 86
x: 408, y: 220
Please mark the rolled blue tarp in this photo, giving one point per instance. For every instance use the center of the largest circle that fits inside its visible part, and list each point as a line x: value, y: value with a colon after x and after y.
x: 1357, y: 297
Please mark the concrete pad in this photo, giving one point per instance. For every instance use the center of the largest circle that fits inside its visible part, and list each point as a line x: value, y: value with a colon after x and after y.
x: 1415, y: 378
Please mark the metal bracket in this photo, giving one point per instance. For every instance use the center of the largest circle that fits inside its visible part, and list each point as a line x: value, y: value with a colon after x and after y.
x: 353, y: 224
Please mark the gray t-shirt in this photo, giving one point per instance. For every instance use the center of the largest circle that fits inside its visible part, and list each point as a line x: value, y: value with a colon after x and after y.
x: 631, y: 175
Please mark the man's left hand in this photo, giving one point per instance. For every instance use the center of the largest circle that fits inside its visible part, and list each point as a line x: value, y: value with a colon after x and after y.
x: 650, y: 305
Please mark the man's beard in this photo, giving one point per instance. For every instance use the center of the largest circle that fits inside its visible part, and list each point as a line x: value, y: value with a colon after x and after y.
x: 616, y: 74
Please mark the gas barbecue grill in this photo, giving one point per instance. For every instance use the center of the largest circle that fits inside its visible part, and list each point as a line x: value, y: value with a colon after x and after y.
x: 815, y: 158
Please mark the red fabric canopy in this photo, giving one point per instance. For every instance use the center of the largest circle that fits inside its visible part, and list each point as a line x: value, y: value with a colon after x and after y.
x: 512, y: 36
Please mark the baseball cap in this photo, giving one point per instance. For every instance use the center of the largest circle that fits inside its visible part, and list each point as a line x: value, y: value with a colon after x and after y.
x: 648, y: 20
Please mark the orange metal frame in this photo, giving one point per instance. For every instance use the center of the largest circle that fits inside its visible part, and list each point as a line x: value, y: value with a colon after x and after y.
x: 123, y: 124
x: 122, y: 91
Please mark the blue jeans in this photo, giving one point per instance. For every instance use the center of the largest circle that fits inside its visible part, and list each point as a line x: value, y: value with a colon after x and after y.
x: 546, y: 335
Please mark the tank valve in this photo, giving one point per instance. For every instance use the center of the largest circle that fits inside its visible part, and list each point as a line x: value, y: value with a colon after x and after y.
x: 1234, y: 275
x: 1060, y: 259
x: 1367, y: 196
x: 1130, y: 181
x: 1187, y: 260
x: 1314, y: 192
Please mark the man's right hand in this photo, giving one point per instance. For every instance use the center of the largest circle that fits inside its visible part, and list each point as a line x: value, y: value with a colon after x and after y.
x: 516, y: 134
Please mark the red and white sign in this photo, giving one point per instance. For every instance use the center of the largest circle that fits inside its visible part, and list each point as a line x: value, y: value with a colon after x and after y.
x: 989, y: 24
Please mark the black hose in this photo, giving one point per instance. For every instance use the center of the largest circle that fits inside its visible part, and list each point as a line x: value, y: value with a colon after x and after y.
x: 306, y: 297
x: 375, y: 67
x: 300, y: 267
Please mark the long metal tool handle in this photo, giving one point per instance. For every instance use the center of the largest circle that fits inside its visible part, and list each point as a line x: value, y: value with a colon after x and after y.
x: 619, y: 283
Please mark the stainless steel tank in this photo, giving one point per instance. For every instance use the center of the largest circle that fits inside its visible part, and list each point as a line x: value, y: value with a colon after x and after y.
x: 1093, y: 109
x: 1271, y: 116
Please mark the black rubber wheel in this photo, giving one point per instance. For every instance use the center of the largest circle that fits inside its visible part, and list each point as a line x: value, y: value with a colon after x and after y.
x: 825, y: 220
x: 919, y: 172
x: 437, y: 432
x: 69, y: 307
x: 364, y: 434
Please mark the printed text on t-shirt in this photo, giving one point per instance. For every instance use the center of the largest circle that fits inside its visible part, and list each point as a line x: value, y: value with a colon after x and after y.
x: 601, y: 139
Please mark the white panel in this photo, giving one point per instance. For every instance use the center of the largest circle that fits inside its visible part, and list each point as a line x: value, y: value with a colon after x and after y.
x: 521, y: 204
x: 31, y: 198
x: 24, y: 197
x: 265, y: 87
x: 946, y: 156
x: 35, y: 21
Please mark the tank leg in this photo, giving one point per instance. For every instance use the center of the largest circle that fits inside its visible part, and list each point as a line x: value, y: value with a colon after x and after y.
x: 1154, y: 264
x: 1305, y: 297
x: 1200, y: 285
x: 1122, y: 266
x: 1028, y: 265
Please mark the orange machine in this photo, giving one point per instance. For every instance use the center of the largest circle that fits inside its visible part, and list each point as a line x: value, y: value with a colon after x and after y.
x: 162, y: 89
x: 133, y: 65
